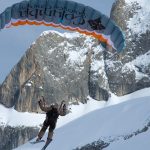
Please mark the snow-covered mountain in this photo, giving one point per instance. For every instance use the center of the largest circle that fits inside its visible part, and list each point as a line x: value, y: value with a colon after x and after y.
x: 75, y: 67
x: 133, y: 16
x: 139, y: 23
x: 121, y: 123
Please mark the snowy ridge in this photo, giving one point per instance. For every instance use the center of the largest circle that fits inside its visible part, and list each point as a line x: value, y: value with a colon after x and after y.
x: 139, y: 23
x: 65, y: 35
x: 131, y: 114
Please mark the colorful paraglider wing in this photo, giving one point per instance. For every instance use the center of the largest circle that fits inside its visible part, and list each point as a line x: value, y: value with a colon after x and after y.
x: 67, y: 15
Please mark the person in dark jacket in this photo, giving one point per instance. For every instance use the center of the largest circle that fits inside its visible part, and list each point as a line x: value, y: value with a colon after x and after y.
x: 52, y: 113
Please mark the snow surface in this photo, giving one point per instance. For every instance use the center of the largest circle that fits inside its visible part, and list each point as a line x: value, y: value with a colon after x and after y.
x: 140, y: 142
x: 139, y: 23
x: 13, y: 118
x: 9, y: 116
x: 119, y: 116
x: 76, y: 57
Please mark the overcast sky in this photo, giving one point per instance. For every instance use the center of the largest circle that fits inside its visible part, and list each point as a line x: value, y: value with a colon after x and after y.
x: 16, y: 40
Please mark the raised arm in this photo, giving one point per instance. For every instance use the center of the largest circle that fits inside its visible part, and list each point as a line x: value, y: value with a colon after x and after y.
x: 62, y: 109
x: 43, y: 106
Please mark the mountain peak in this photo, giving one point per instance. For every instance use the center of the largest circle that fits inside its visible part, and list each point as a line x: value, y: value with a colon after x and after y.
x: 68, y: 35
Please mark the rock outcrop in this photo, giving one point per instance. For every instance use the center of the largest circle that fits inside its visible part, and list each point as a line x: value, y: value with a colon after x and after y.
x: 12, y: 137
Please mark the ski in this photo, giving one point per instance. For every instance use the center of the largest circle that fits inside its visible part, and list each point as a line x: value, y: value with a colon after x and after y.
x: 45, y: 146
x: 35, y: 142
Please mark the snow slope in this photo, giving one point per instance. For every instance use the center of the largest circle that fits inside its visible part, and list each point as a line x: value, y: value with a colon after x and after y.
x: 10, y: 117
x: 122, y: 116
x: 140, y: 142
x: 13, y: 118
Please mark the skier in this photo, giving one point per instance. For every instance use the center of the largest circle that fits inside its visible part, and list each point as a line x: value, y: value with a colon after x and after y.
x: 52, y: 113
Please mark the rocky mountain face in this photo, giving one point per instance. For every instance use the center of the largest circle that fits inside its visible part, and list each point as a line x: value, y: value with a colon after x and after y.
x: 60, y: 67
x: 13, y: 137
x: 133, y: 71
x: 135, y: 24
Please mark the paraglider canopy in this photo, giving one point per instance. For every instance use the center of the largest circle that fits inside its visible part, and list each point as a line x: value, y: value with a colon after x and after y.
x: 68, y: 15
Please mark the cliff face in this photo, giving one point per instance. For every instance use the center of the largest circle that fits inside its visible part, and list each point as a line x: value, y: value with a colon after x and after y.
x: 16, y: 81
x: 60, y: 67
x: 13, y: 137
